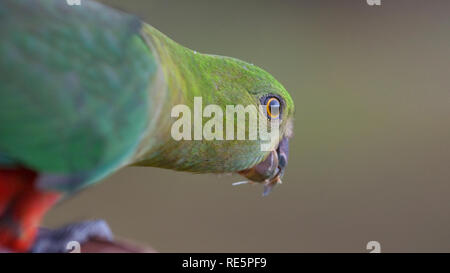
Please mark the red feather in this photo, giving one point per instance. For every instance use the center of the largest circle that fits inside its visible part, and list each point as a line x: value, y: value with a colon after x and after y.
x: 22, y: 207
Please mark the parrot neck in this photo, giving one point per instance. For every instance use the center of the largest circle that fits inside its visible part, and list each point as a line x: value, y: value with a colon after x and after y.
x: 186, y: 72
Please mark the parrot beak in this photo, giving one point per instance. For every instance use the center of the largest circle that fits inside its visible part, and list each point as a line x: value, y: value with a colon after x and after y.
x: 271, y: 170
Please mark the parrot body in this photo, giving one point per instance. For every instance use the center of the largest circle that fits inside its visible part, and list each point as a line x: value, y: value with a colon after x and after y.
x: 51, y: 53
x: 86, y: 90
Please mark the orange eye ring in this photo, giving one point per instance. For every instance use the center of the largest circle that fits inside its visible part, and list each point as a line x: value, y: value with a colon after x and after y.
x: 268, y: 108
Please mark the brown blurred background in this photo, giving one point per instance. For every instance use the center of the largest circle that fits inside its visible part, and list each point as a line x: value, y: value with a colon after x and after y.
x: 370, y: 159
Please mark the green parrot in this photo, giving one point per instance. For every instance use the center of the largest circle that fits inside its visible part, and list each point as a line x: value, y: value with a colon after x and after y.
x: 86, y: 90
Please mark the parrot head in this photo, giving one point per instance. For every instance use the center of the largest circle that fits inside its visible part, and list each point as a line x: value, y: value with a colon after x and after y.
x: 217, y: 83
x: 268, y: 94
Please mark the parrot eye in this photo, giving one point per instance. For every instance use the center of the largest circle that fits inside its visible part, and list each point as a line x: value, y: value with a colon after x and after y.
x: 273, y: 107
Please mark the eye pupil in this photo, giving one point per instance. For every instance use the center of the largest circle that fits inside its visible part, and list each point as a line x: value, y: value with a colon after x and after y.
x: 273, y: 107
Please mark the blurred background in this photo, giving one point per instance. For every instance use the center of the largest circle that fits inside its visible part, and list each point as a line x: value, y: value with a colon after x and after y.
x: 370, y: 159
